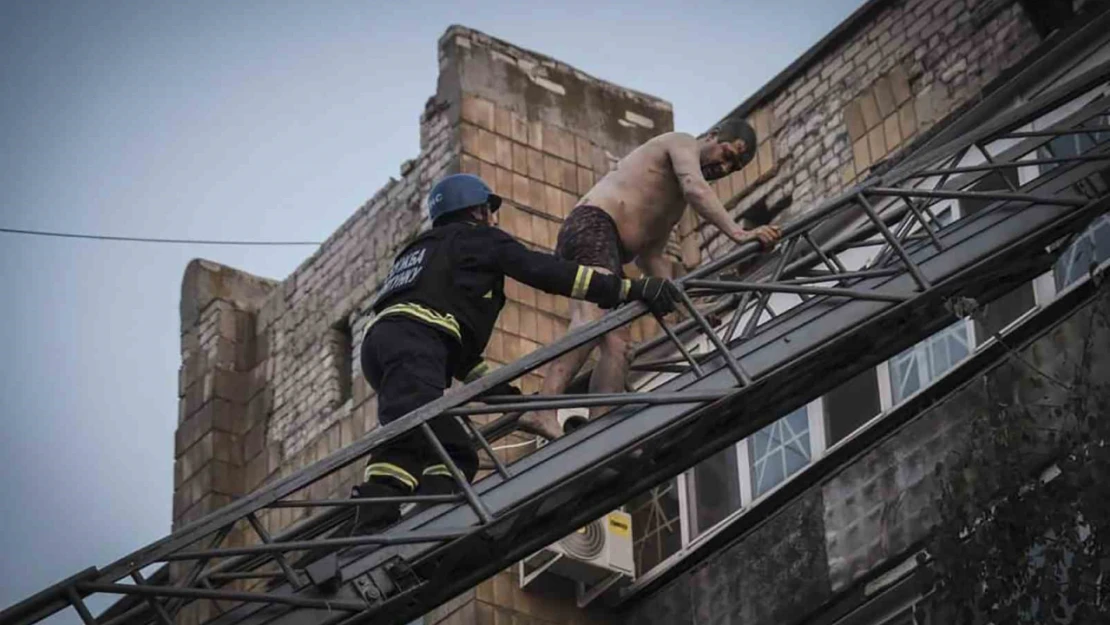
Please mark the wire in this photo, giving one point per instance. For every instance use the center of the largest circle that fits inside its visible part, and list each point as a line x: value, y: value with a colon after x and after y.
x: 102, y: 237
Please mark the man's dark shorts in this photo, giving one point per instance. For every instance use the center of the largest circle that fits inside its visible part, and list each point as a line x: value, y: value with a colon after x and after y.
x: 589, y: 236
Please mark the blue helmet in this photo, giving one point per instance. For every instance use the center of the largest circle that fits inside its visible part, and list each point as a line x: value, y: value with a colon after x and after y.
x: 459, y: 192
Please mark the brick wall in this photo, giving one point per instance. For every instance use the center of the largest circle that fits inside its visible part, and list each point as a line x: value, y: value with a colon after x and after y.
x: 867, y: 98
x: 219, y: 357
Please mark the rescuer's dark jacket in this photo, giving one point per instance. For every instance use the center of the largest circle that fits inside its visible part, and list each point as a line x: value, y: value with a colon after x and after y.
x: 452, y: 277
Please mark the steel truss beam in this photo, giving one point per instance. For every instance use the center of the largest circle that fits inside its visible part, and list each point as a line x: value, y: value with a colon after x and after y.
x: 716, y: 399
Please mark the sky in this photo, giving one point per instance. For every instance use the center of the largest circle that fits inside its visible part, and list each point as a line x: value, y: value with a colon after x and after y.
x: 270, y: 121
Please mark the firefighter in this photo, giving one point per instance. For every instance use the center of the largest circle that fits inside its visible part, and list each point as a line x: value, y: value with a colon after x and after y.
x: 433, y: 317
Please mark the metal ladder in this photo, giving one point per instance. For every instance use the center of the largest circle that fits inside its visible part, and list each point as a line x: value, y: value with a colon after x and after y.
x: 762, y: 364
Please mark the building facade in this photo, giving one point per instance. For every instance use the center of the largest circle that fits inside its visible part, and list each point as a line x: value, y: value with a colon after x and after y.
x: 808, y: 520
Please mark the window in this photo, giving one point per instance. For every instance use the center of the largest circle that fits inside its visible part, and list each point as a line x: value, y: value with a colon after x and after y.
x: 779, y: 451
x: 1005, y: 310
x: 1075, y: 144
x: 1048, y: 15
x: 919, y: 365
x: 714, y: 491
x: 656, y: 526
x: 851, y: 404
x: 943, y: 213
x: 760, y: 214
x: 723, y: 484
x: 1090, y: 247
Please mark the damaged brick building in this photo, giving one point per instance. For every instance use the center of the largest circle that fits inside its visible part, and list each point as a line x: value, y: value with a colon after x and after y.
x: 813, y: 519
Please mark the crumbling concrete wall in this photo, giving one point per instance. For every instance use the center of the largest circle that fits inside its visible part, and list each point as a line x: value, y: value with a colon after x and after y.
x: 217, y: 378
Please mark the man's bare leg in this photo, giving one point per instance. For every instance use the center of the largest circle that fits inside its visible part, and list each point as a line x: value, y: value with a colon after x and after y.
x: 561, y: 371
x: 612, y: 367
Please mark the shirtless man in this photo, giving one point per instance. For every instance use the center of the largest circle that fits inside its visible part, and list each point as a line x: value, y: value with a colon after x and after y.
x: 629, y: 215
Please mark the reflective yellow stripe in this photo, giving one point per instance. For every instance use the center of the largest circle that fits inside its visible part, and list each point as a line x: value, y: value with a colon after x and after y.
x: 582, y: 282
x: 416, y: 311
x: 626, y: 284
x: 438, y: 469
x: 478, y: 371
x: 387, y: 469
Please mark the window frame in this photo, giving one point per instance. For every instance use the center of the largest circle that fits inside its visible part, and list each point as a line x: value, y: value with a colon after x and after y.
x: 691, y: 534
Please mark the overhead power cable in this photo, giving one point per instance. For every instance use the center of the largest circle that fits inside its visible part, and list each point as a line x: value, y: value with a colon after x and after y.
x: 103, y: 237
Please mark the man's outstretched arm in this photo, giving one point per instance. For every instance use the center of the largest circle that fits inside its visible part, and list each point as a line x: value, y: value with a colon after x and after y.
x: 683, y: 152
x: 555, y: 275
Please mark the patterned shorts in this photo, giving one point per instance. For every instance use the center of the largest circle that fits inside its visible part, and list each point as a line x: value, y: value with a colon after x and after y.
x: 589, y: 236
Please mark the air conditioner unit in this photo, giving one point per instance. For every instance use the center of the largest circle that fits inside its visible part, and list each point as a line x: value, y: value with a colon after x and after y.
x: 596, y: 557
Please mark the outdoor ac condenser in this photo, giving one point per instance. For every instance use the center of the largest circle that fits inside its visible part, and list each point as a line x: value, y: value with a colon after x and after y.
x: 597, y: 556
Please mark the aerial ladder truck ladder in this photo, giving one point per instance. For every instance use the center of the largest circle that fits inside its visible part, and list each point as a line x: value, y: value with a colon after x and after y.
x: 761, y: 363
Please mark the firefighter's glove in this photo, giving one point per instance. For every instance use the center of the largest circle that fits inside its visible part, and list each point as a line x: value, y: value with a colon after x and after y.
x: 660, y: 295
